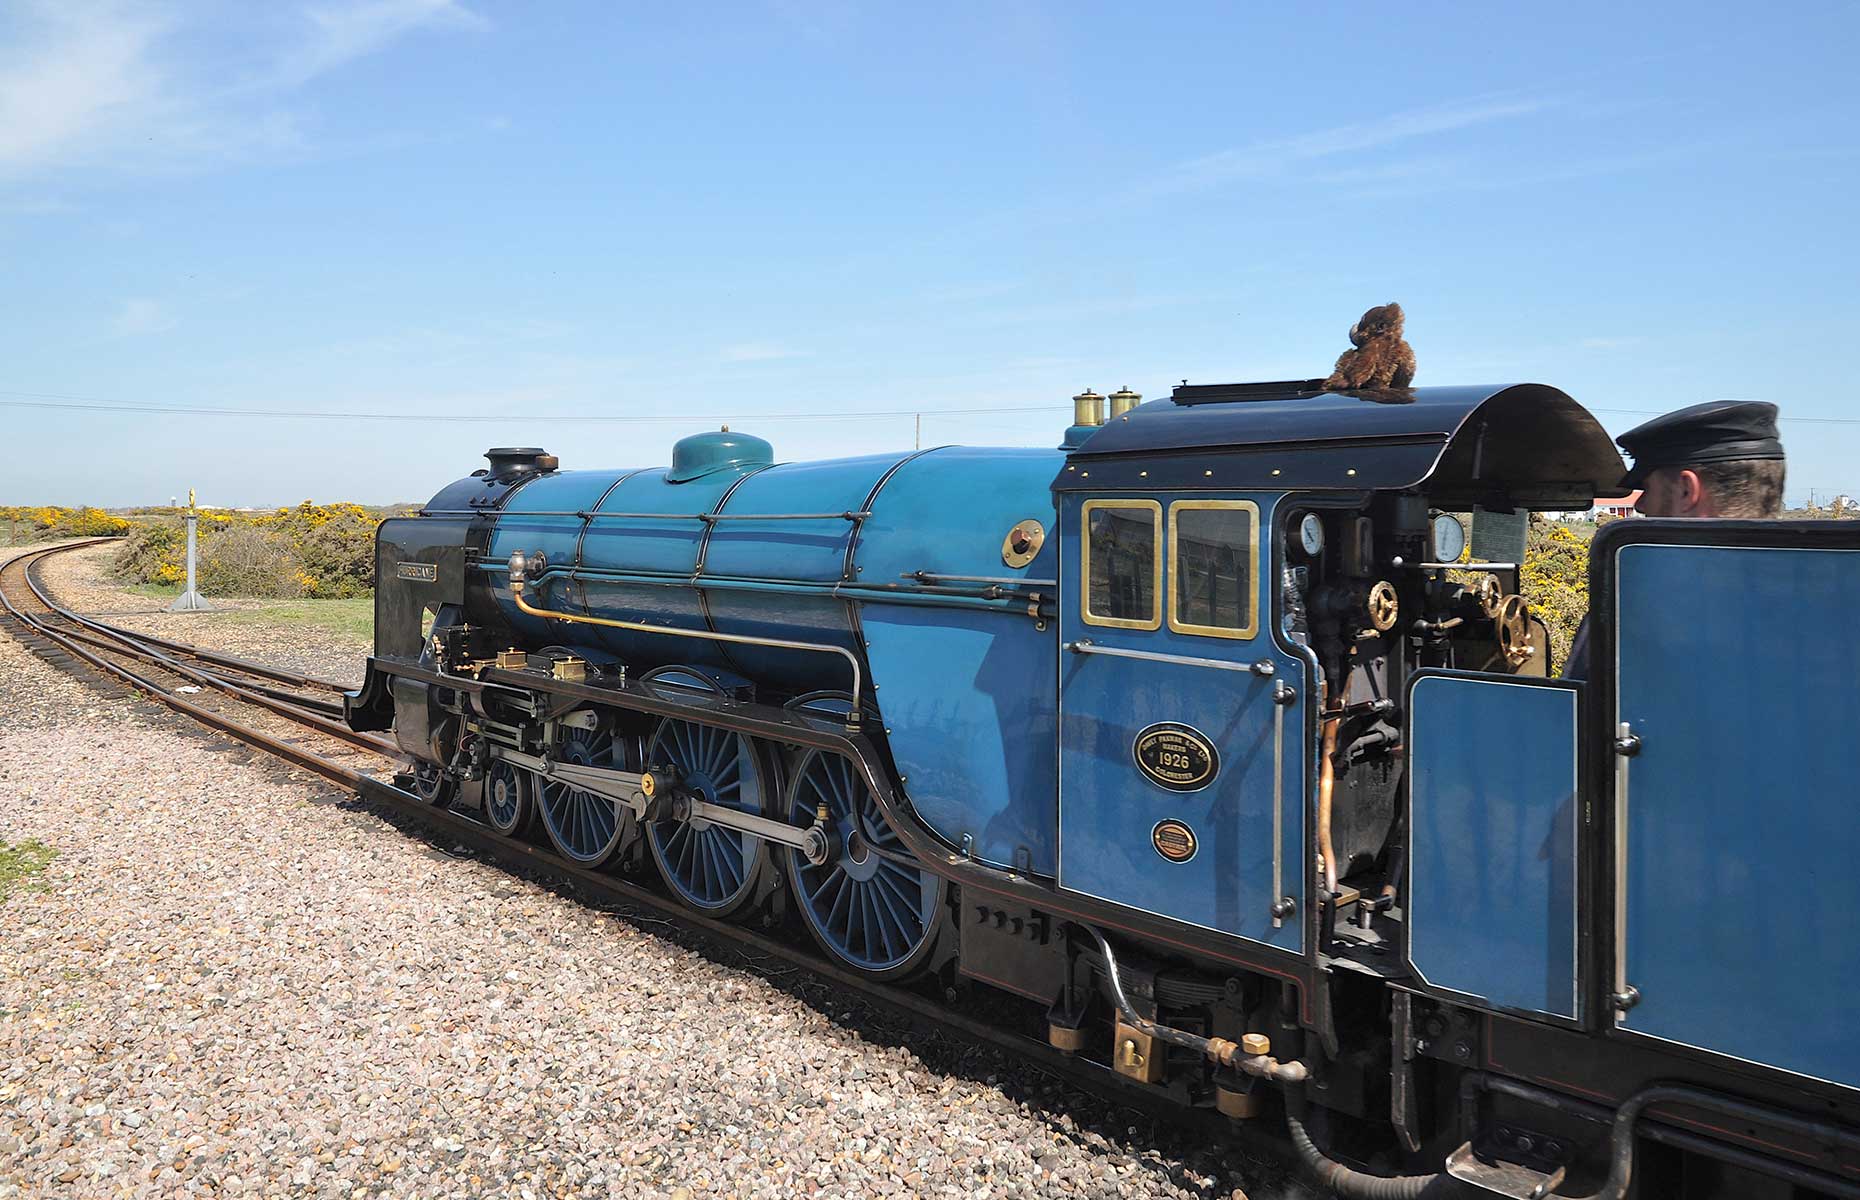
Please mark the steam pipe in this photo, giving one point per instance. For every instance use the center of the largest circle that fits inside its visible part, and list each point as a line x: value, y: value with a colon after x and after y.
x: 519, y: 571
x: 1220, y: 1051
x: 1327, y: 782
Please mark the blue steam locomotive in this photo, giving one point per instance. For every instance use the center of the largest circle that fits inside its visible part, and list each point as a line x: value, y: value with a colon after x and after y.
x: 1199, y: 738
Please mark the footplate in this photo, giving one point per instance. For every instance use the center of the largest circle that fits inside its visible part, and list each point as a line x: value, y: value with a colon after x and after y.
x: 1495, y: 1168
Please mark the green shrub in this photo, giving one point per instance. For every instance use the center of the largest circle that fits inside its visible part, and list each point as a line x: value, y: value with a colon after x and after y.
x: 317, y: 550
x: 246, y: 560
x: 339, y: 559
x: 154, y: 553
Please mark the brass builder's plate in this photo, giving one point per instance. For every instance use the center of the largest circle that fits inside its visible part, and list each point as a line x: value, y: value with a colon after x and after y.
x: 1176, y: 756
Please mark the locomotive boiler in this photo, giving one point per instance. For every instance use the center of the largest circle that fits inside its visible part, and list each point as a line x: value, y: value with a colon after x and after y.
x: 1204, y: 741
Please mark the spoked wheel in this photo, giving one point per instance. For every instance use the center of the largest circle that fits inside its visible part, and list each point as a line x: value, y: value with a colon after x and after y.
x: 586, y: 828
x: 869, y: 905
x: 711, y: 868
x: 509, y: 799
x: 433, y: 785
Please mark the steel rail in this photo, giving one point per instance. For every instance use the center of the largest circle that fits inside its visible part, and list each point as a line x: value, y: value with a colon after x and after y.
x: 231, y: 661
x: 327, y: 708
x: 128, y: 643
x: 245, y: 665
x: 64, y: 639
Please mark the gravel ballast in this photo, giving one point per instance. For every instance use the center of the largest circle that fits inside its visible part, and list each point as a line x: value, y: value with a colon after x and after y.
x: 236, y: 982
x: 81, y: 581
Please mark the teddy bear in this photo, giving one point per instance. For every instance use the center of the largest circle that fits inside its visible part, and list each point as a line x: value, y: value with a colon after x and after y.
x: 1381, y: 358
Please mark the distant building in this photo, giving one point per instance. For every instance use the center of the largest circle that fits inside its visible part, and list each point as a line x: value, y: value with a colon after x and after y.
x: 1623, y: 507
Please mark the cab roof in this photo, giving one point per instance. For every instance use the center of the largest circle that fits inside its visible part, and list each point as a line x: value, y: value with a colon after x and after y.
x: 1524, y: 443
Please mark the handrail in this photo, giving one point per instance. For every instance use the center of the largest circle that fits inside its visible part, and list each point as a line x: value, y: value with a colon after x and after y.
x: 589, y: 515
x: 1625, y: 995
x: 1004, y: 580
x: 518, y: 568
x: 1264, y: 668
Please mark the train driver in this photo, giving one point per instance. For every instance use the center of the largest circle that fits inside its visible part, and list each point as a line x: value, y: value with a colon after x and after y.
x: 1719, y: 459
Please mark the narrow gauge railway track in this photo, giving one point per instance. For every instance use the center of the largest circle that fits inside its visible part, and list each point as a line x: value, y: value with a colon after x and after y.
x: 256, y: 700
x: 280, y: 712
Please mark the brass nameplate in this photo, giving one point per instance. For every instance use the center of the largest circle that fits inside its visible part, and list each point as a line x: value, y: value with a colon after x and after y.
x: 1174, y: 840
x: 1178, y: 757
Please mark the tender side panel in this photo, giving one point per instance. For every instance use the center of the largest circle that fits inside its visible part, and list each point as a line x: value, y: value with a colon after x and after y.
x: 1738, y: 669
x: 1493, y: 832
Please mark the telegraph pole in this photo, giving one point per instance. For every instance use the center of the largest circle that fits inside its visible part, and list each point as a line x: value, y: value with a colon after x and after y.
x: 190, y: 600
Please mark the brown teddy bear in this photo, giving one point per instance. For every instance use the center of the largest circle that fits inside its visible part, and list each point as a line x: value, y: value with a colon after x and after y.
x: 1381, y: 358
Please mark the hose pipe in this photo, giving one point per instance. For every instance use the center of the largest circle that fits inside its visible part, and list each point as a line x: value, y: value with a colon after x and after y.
x: 1345, y: 1181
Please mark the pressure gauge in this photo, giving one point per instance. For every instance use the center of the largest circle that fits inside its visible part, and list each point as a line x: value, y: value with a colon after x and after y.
x: 1311, y: 535
x: 1449, y: 538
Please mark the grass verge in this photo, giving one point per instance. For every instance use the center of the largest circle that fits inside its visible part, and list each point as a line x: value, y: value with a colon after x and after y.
x: 20, y: 863
x: 352, y: 618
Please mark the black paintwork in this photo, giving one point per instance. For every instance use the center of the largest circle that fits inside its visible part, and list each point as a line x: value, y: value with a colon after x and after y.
x: 1468, y: 444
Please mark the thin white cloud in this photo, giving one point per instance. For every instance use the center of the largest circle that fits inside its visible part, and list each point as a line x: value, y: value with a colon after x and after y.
x: 1280, y: 156
x: 341, y: 33
x: 104, y: 83
x: 35, y: 206
x: 70, y: 70
x: 754, y: 352
x: 140, y: 315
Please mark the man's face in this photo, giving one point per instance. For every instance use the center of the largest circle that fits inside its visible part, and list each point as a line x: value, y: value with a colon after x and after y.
x: 1674, y: 492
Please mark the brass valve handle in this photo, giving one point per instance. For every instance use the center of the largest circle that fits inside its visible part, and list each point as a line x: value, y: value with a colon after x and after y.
x: 1490, y: 594
x: 1514, y: 629
x: 1384, y: 606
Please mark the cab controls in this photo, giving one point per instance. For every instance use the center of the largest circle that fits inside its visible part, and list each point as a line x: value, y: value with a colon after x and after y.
x: 1514, y: 629
x: 1490, y: 593
x: 1384, y: 606
x: 1311, y: 535
x: 1449, y: 538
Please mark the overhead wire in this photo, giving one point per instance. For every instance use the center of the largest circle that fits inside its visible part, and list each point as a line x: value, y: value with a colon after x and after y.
x: 63, y: 402
x: 44, y: 400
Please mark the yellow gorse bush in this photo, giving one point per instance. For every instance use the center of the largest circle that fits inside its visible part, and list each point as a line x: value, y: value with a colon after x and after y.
x: 1556, y: 580
x: 50, y: 521
x: 315, y: 550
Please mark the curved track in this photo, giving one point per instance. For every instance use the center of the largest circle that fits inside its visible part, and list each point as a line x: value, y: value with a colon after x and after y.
x: 281, y: 712
x: 260, y: 705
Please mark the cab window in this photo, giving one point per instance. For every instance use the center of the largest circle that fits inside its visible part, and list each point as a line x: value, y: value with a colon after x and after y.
x: 1213, y: 565
x: 1122, y: 572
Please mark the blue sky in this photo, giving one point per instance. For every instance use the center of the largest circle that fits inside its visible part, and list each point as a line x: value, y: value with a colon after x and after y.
x: 787, y: 214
